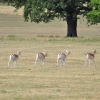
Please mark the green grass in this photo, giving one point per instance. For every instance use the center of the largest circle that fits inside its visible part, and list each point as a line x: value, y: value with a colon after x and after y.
x: 49, y: 38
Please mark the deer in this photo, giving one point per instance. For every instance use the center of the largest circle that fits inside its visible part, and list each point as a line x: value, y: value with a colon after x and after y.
x: 41, y: 57
x: 90, y: 56
x: 13, y: 59
x: 62, y: 57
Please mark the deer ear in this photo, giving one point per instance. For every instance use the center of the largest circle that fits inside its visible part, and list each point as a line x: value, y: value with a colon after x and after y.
x: 66, y: 50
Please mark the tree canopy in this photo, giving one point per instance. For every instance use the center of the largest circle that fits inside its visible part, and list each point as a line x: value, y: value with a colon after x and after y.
x: 47, y: 10
x: 94, y: 15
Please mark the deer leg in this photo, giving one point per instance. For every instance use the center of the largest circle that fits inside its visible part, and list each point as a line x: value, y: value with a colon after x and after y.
x: 35, y: 61
x: 94, y: 63
x: 42, y: 63
x: 9, y: 63
x: 85, y: 62
x: 15, y: 64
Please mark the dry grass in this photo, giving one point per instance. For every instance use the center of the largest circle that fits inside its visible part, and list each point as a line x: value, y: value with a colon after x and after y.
x: 72, y: 82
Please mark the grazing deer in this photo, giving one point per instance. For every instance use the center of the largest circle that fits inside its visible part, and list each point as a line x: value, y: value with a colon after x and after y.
x: 62, y: 57
x: 90, y: 56
x: 14, y: 58
x: 41, y: 57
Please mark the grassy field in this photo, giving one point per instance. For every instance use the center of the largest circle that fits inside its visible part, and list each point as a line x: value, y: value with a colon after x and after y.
x: 26, y: 82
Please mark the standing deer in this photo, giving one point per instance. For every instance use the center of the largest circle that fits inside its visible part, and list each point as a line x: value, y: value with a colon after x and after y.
x: 41, y: 57
x: 62, y: 58
x: 13, y: 58
x: 90, y: 56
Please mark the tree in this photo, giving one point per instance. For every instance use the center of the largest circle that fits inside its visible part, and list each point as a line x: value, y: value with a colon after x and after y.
x: 47, y: 10
x: 94, y: 15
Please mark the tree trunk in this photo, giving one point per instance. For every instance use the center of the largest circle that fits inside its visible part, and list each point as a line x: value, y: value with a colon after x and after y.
x: 71, y: 26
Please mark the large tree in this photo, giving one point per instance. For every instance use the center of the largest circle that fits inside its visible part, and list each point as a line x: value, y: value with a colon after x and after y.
x: 94, y: 15
x: 47, y: 10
